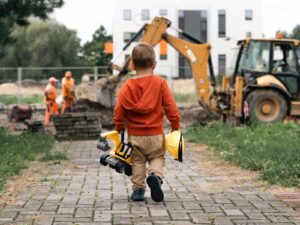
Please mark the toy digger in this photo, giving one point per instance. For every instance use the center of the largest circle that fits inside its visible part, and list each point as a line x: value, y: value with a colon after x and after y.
x: 119, y: 158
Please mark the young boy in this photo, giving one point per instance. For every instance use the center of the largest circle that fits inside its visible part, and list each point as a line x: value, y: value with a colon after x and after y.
x: 141, y: 105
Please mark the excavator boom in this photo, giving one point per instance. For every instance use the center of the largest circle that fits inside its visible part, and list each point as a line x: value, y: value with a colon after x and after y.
x: 196, y: 53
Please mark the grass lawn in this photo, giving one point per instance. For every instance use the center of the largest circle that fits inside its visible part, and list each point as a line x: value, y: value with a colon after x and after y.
x: 272, y: 149
x: 17, y: 150
x: 29, y: 99
x: 185, y: 98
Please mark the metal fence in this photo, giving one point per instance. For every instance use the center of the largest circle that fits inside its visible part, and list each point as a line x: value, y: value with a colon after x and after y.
x: 30, y: 81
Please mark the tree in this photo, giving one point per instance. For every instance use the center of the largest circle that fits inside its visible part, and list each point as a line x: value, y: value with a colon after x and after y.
x: 42, y: 44
x: 93, y: 51
x: 16, y: 12
x: 296, y: 32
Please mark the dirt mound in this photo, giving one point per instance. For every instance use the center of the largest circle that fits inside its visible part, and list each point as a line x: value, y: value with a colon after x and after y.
x: 185, y: 86
x: 103, y: 90
x: 197, y: 114
x: 12, y: 89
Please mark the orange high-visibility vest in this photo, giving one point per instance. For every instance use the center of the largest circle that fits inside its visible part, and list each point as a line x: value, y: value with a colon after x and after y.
x: 68, y: 88
x: 51, y: 105
x: 50, y: 93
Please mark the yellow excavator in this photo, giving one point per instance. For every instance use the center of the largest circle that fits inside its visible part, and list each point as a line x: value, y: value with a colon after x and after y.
x: 265, y: 85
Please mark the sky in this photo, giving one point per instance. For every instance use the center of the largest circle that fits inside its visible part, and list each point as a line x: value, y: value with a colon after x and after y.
x: 86, y: 16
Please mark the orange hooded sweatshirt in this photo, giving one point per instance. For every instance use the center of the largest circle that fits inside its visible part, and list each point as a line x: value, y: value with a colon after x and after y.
x: 142, y: 103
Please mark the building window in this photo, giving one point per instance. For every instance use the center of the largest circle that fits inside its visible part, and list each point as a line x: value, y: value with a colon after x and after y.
x: 127, y: 36
x: 248, y: 34
x: 127, y: 14
x: 248, y: 14
x: 222, y: 64
x: 163, y: 12
x: 222, y: 23
x: 203, y: 25
x: 145, y: 14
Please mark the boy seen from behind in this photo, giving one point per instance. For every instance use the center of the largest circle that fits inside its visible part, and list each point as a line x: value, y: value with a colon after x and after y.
x: 142, y: 103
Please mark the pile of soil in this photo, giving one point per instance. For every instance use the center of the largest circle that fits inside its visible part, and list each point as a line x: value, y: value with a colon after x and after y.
x: 27, y: 89
x: 184, y: 86
x: 104, y: 90
x: 196, y: 114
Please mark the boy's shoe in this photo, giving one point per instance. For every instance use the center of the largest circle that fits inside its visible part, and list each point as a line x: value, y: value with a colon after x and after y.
x: 154, y: 182
x: 138, y: 195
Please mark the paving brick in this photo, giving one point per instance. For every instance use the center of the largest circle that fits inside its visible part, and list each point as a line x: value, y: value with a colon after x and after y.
x: 90, y: 194
x: 233, y: 212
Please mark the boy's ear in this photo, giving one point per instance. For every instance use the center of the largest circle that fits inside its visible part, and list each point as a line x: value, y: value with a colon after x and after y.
x: 132, y: 65
x: 154, y: 65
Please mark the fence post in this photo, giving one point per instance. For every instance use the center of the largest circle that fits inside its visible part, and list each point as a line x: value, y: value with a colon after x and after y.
x: 95, y: 79
x: 19, y: 85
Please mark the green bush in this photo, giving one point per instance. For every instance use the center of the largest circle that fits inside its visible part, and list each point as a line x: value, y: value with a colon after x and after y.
x: 272, y: 149
x: 16, y: 150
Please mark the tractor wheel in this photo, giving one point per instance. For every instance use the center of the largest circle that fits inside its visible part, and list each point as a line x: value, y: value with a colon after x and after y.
x: 267, y: 106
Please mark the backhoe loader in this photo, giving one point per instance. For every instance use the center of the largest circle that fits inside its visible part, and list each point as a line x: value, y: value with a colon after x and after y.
x: 265, y: 85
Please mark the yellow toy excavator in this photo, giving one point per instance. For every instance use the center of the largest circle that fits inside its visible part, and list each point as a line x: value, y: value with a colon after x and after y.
x: 119, y: 156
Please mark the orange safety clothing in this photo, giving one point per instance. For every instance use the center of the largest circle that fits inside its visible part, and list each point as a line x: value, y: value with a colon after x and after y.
x: 68, y: 93
x: 50, y: 103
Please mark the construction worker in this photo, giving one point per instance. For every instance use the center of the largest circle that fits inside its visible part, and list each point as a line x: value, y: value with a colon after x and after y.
x: 68, y: 92
x: 50, y: 97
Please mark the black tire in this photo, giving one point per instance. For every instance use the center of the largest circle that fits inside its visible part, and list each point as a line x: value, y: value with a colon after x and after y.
x: 103, y: 158
x: 267, y: 106
x: 128, y: 170
x: 120, y: 167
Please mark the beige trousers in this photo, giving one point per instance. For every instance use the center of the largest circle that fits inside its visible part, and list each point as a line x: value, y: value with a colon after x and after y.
x: 146, y: 149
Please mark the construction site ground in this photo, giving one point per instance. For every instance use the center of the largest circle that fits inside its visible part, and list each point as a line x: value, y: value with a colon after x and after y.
x: 201, y: 190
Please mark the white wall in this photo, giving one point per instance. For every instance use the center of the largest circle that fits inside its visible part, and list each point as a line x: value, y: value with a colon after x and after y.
x: 236, y: 25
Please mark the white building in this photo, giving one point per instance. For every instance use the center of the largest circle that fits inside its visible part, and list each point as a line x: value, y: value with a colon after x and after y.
x: 218, y: 22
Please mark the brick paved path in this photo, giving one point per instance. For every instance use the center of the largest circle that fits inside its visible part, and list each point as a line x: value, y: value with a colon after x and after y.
x: 92, y: 194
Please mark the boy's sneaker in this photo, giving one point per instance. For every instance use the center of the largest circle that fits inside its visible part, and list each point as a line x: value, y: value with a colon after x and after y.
x: 154, y: 182
x: 138, y: 195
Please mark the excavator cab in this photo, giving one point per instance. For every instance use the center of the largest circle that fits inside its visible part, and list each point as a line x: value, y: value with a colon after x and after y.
x: 269, y: 69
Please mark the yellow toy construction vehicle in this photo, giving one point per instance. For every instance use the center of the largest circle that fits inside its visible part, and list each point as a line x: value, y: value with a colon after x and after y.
x: 119, y: 156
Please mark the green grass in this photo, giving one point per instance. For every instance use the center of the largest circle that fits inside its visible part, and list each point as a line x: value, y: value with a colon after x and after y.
x: 272, y: 149
x: 29, y: 99
x: 185, y: 97
x: 17, y: 150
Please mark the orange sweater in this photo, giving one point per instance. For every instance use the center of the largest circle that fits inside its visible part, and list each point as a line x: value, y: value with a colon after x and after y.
x: 141, y: 105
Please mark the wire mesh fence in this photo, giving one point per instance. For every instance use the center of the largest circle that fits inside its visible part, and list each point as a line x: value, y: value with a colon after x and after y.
x: 25, y: 85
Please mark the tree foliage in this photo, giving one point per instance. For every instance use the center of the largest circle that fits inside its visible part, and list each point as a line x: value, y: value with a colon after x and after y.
x: 41, y: 44
x: 93, y: 51
x: 296, y: 32
x: 16, y: 12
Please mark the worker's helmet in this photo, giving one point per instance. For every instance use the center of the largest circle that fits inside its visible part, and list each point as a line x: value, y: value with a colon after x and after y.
x: 174, y: 144
x: 52, y: 80
x: 68, y: 74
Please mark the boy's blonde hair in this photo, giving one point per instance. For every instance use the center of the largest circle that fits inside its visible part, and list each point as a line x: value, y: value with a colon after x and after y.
x: 143, y: 56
